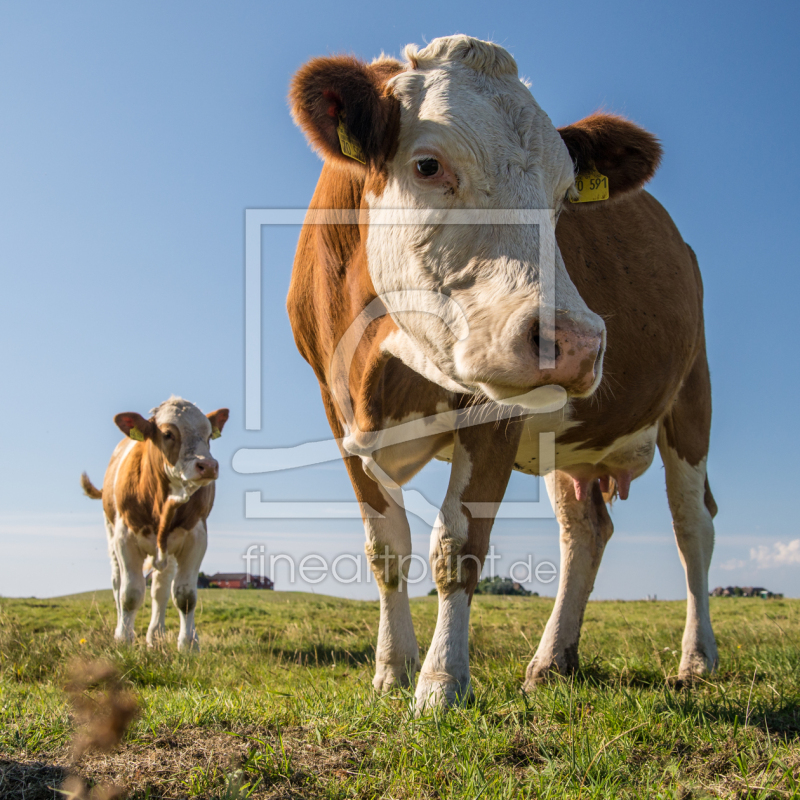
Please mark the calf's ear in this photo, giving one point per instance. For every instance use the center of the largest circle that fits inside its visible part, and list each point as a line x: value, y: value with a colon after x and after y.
x: 218, y: 419
x: 627, y: 154
x: 337, y: 91
x: 135, y: 425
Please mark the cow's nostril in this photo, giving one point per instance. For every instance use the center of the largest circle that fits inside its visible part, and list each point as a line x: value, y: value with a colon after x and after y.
x: 537, y: 344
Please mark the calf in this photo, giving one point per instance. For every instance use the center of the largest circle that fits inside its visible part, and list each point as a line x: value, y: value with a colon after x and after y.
x: 157, y: 494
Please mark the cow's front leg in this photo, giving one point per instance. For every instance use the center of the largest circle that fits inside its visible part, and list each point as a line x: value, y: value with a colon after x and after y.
x: 184, y: 585
x: 388, y: 549
x: 130, y: 560
x: 585, y: 529
x: 483, y: 457
x: 159, y: 594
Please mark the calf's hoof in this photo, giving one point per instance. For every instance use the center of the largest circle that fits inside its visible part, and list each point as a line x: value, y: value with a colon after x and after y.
x: 388, y: 676
x: 187, y: 645
x: 438, y: 690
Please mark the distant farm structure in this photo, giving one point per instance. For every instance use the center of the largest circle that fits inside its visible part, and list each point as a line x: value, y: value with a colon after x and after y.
x: 744, y: 591
x: 234, y: 580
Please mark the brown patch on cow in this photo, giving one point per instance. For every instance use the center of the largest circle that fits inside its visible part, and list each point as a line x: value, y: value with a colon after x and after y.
x: 627, y: 154
x: 218, y: 418
x: 138, y: 490
x: 688, y: 425
x: 631, y: 266
x: 331, y: 88
x: 491, y: 449
x: 708, y: 500
x: 168, y: 441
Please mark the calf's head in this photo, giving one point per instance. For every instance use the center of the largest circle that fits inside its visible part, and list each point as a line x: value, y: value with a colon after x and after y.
x: 177, y: 436
x: 454, y: 128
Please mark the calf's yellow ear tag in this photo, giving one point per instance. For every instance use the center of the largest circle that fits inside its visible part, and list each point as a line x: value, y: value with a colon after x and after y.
x: 350, y: 147
x: 591, y: 186
x: 215, y: 432
x: 136, y: 434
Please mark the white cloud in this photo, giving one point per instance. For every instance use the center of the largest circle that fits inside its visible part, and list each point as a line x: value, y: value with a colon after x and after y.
x: 733, y: 563
x: 779, y: 555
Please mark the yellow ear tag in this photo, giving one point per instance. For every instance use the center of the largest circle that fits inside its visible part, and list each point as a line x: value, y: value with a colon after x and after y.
x: 591, y: 186
x: 215, y: 432
x: 350, y: 147
x: 136, y: 434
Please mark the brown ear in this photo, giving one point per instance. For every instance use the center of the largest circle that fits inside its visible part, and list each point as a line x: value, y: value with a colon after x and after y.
x: 131, y: 421
x: 218, y: 419
x: 328, y: 89
x: 624, y: 152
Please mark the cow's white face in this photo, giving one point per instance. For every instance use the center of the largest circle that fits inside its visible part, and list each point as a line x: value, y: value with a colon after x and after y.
x: 472, y: 137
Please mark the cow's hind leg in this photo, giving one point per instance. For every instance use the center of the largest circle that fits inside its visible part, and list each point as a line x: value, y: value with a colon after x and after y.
x: 683, y: 443
x: 159, y: 594
x: 585, y: 529
x: 483, y: 457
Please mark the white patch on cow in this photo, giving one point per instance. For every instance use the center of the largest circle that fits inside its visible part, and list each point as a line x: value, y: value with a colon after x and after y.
x: 388, y: 548
x: 444, y: 679
x: 694, y: 533
x: 464, y: 106
x: 400, y: 345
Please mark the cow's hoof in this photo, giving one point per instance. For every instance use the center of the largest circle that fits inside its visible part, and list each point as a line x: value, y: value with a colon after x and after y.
x: 695, y: 664
x: 442, y: 691
x: 125, y: 637
x: 189, y: 645
x: 390, y: 676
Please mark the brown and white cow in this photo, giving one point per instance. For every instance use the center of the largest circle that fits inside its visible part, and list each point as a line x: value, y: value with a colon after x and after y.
x: 459, y: 325
x: 157, y: 494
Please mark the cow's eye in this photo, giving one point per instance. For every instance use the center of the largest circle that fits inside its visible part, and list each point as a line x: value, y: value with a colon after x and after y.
x: 429, y: 167
x: 168, y: 436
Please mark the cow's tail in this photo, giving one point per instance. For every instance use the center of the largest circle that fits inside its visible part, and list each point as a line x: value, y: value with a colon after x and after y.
x: 89, y: 489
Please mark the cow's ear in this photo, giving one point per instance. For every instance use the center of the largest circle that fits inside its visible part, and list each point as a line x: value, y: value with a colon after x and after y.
x: 135, y: 425
x: 627, y: 154
x: 343, y: 107
x: 218, y: 419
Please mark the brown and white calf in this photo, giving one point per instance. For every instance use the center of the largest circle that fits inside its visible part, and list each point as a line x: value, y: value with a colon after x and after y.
x: 404, y: 318
x: 157, y: 494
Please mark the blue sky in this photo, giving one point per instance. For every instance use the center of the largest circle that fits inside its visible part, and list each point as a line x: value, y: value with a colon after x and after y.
x: 133, y: 138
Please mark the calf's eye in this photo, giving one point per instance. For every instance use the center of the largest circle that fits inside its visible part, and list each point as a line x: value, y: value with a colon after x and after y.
x: 428, y: 167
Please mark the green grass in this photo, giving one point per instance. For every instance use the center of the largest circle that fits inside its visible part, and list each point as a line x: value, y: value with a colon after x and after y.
x: 279, y: 704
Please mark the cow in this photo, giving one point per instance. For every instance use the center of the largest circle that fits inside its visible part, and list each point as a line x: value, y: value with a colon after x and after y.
x: 407, y: 320
x: 157, y: 494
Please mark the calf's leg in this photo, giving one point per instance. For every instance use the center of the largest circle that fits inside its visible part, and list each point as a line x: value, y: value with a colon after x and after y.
x: 159, y: 594
x: 483, y: 457
x: 132, y: 584
x: 585, y: 529
x: 184, y: 585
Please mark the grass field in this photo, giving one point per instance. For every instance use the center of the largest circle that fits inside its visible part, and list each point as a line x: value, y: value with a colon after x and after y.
x: 279, y: 704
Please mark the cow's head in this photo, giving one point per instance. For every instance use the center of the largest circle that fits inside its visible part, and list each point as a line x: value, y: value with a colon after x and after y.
x: 455, y: 128
x: 178, y: 434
